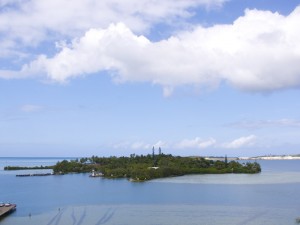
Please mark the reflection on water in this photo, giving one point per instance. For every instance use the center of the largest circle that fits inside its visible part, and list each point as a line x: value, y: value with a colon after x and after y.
x: 262, y: 178
x: 158, y: 214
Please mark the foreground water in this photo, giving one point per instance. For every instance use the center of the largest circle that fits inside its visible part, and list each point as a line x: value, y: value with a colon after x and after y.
x: 271, y: 197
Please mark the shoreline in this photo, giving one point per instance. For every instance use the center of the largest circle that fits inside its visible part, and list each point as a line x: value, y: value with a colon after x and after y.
x: 257, y: 158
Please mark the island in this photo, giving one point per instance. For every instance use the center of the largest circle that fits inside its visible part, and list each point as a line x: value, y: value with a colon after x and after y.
x: 147, y: 167
x: 140, y: 168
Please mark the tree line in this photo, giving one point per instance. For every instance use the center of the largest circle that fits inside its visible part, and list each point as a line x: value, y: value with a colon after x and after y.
x: 27, y: 168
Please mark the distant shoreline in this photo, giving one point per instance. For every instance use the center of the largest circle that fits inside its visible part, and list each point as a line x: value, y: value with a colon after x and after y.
x: 214, y: 158
x: 283, y: 157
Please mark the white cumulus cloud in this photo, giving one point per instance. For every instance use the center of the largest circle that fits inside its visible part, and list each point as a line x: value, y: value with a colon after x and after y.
x: 31, y: 22
x: 139, y: 145
x: 161, y: 144
x: 241, y: 142
x: 196, y: 143
x: 31, y: 108
x: 259, y: 52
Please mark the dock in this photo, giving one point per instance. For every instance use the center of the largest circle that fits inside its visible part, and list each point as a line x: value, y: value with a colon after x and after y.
x: 7, y: 209
x: 34, y: 175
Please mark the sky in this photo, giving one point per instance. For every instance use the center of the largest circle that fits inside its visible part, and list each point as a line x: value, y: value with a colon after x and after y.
x: 112, y: 77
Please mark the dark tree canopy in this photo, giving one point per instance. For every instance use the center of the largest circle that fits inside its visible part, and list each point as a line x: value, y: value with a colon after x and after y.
x: 141, y: 168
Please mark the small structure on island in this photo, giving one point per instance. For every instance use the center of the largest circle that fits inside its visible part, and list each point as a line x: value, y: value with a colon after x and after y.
x: 96, y: 174
x: 153, y: 167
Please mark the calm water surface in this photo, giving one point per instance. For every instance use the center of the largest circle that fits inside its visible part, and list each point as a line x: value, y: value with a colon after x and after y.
x: 272, y: 197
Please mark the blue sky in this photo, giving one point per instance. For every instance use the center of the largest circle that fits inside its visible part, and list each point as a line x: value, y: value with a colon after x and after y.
x: 194, y: 77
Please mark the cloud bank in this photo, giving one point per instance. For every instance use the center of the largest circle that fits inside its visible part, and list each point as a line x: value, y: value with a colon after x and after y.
x: 259, y: 52
x: 36, y: 21
x: 196, y: 143
x: 266, y: 123
x: 31, y: 108
x: 241, y: 142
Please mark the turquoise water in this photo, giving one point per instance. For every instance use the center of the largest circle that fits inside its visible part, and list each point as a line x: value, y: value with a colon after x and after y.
x: 271, y: 197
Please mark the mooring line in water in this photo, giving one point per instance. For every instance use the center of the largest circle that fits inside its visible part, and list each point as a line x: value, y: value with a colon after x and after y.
x: 252, y: 218
x: 59, y: 218
x: 106, y: 217
x: 82, y: 217
x: 73, y: 217
x: 56, y: 218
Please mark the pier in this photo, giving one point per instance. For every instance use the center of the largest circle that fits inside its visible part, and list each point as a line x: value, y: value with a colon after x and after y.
x: 7, y: 209
x: 34, y: 175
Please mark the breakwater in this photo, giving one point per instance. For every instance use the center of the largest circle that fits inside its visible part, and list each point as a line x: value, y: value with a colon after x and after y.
x: 34, y: 175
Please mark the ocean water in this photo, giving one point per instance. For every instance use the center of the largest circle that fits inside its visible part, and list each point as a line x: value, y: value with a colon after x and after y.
x: 271, y: 197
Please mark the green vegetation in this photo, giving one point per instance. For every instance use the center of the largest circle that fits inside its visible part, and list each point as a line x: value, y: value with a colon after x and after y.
x: 74, y: 166
x: 141, y: 168
x: 27, y: 168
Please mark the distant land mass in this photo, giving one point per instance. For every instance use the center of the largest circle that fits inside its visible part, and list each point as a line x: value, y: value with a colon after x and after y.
x: 265, y: 157
x: 272, y: 157
x: 147, y: 167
